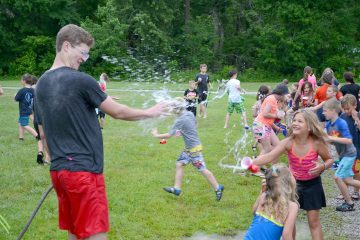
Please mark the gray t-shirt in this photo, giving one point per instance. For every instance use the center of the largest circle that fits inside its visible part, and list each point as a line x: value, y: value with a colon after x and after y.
x: 65, y: 104
x: 340, y: 129
x: 186, y: 124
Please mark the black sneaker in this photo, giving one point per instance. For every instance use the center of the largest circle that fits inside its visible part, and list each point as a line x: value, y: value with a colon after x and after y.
x: 219, y: 192
x: 345, y: 207
x: 40, y: 158
x: 172, y: 190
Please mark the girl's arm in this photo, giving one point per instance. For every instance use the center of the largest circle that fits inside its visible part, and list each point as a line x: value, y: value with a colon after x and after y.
x: 317, y: 106
x: 267, y: 113
x: 289, y: 224
x: 156, y: 134
x: 273, y: 155
x: 323, y: 150
x: 341, y: 140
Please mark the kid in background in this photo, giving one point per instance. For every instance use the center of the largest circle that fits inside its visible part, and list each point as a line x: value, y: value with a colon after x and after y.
x: 190, y: 96
x: 261, y: 94
x: 186, y: 124
x: 307, y: 99
x: 339, y: 135
x: 262, y: 126
x: 305, y: 143
x: 25, y: 98
x: 202, y: 81
x: 352, y: 118
x: 235, y: 100
x: 276, y: 208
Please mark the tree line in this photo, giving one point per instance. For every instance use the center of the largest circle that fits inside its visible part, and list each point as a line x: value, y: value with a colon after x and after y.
x: 151, y: 38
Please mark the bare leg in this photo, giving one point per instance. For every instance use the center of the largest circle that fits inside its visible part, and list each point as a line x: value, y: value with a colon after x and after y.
x: 102, y: 122
x: 227, y: 118
x: 30, y: 130
x: 179, y: 174
x: 98, y: 236
x: 357, y: 177
x: 315, y: 224
x: 21, y: 132
x: 210, y: 177
x: 203, y: 110
x: 343, y: 189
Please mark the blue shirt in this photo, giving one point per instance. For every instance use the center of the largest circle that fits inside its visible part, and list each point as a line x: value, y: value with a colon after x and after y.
x: 354, y: 131
x: 340, y: 128
x: 25, y: 97
x: 264, y: 228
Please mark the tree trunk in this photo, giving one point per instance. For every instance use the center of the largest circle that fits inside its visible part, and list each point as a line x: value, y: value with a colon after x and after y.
x: 187, y: 13
x: 219, y: 31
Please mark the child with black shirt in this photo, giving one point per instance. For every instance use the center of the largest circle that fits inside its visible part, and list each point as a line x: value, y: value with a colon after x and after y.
x: 190, y: 95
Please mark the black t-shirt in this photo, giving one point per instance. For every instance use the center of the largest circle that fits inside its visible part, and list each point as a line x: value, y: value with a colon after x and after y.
x: 190, y: 93
x: 25, y: 98
x: 353, y: 89
x: 202, y: 82
x: 65, y: 103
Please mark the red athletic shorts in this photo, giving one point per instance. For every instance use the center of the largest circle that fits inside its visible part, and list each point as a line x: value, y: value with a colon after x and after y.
x: 83, y: 207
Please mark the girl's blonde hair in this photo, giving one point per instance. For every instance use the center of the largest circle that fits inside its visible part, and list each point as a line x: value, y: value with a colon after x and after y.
x: 281, y: 189
x: 315, y: 129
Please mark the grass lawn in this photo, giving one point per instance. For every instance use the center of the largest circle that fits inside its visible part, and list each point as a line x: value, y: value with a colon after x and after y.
x: 136, y: 169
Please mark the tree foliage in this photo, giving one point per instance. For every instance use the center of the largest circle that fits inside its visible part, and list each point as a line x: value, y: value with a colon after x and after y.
x: 147, y: 39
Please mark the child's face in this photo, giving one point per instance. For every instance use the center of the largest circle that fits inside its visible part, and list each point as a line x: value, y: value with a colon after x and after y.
x: 329, y: 113
x: 203, y: 69
x: 192, y: 85
x: 293, y: 88
x: 307, y: 89
x: 348, y: 109
x: 330, y: 93
x: 299, y: 124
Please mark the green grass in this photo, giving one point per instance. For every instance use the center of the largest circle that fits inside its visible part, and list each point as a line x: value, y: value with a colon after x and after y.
x: 136, y: 169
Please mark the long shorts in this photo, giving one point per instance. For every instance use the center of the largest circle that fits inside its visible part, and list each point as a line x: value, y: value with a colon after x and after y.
x: 24, y: 121
x: 239, y: 107
x: 344, y: 169
x: 311, y: 194
x: 195, y: 158
x: 83, y: 207
x: 261, y: 131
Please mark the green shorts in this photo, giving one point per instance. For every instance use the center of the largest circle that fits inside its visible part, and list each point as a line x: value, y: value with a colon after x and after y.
x: 239, y: 107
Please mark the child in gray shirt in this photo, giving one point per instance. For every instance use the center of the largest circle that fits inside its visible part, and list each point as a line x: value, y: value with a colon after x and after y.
x: 185, y: 123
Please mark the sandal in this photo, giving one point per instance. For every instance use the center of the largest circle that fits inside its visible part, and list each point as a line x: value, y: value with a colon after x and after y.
x: 355, y: 196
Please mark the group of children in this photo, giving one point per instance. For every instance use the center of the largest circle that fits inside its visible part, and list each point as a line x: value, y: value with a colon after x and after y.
x: 306, y: 146
x: 306, y: 142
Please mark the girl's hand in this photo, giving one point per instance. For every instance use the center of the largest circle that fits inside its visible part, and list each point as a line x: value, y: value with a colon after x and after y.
x: 318, y: 169
x: 263, y: 185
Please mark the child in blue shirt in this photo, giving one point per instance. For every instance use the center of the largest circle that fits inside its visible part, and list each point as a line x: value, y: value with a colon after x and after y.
x: 340, y: 137
x: 25, y: 98
x: 276, y: 208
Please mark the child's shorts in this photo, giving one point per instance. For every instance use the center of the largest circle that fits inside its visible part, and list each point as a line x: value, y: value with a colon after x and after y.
x: 24, y: 121
x: 344, y: 169
x: 311, y: 194
x: 195, y: 158
x: 239, y: 107
x: 261, y: 131
x: 83, y: 207
x: 356, y: 166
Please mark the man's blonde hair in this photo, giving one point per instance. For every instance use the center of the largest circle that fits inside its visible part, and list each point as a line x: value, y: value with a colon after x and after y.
x: 75, y: 35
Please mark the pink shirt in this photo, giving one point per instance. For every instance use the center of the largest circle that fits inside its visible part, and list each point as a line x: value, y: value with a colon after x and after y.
x: 300, y: 166
x: 270, y: 100
x: 311, y: 79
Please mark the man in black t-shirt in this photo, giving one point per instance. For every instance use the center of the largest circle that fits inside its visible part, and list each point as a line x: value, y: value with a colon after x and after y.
x: 203, y: 83
x: 65, y: 104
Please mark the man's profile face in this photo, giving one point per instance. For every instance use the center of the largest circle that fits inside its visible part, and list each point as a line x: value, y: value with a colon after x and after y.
x: 76, y: 54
